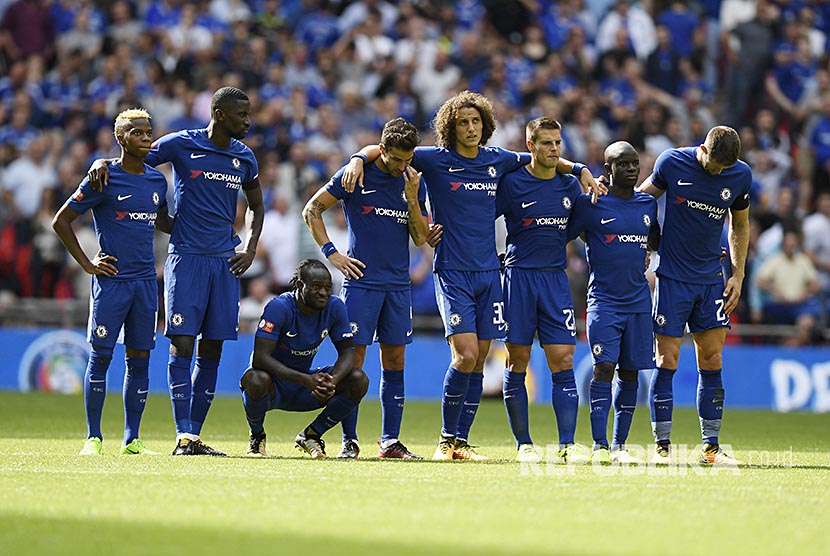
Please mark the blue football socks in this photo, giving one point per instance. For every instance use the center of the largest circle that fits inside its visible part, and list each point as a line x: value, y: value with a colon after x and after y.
x: 661, y: 401
x: 565, y: 405
x: 255, y: 412
x: 136, y: 386
x: 625, y: 401
x: 95, y: 388
x: 470, y: 406
x: 349, y: 425
x: 710, y: 404
x: 600, y: 396
x: 178, y: 378
x: 515, y: 402
x: 391, y: 401
x: 204, y: 390
x: 452, y: 400
x: 338, y: 407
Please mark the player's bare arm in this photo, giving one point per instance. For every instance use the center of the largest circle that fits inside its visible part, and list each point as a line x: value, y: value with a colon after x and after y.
x: 102, y: 264
x: 313, y: 217
x: 648, y: 187
x: 417, y: 224
x: 586, y: 179
x: 353, y: 175
x: 321, y: 387
x: 345, y: 359
x: 164, y: 222
x: 738, y: 245
x: 254, y: 217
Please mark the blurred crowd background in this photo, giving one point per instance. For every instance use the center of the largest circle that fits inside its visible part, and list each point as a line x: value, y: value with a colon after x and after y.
x: 324, y: 75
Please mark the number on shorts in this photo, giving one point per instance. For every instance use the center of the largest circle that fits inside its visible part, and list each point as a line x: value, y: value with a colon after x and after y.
x: 498, y: 312
x: 719, y: 314
x: 570, y: 323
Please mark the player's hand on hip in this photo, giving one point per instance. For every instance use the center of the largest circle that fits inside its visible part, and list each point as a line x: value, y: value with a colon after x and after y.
x: 351, y: 268
x: 352, y: 175
x: 98, y: 174
x: 732, y: 293
x: 434, y: 235
x: 595, y: 187
x: 241, y: 262
x: 102, y: 265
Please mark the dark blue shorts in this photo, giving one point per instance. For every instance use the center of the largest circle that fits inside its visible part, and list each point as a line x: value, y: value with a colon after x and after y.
x: 201, y: 297
x: 622, y: 338
x: 471, y: 301
x: 131, y: 304
x: 538, y: 300
x: 678, y: 303
x: 376, y: 315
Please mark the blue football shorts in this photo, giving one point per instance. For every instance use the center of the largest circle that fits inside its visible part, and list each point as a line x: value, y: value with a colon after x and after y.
x: 678, y: 303
x: 622, y: 338
x: 538, y: 301
x: 471, y: 301
x: 377, y: 315
x: 131, y: 304
x: 201, y: 296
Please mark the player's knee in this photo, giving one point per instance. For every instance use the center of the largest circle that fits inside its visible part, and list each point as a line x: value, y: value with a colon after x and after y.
x: 566, y: 361
x: 210, y: 349
x: 182, y: 346
x: 256, y: 383
x: 628, y: 376
x: 466, y: 358
x: 604, y: 371
x: 710, y: 361
x: 358, y: 384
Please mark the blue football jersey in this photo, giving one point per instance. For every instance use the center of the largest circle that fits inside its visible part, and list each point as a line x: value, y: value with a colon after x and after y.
x: 616, y: 234
x: 462, y: 195
x: 207, y: 183
x: 299, y: 336
x: 378, y: 219
x: 124, y: 216
x: 696, y: 206
x: 536, y: 212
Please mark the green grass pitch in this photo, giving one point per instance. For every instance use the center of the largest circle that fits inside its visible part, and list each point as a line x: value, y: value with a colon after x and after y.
x: 53, y: 501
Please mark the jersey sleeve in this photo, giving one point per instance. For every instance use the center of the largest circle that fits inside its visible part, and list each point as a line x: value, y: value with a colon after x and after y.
x: 85, y: 197
x: 162, y: 150
x: 253, y: 168
x: 576, y: 222
x: 422, y: 196
x: 272, y: 321
x: 512, y: 160
x: 341, y: 328
x: 658, y: 177
x: 742, y: 199
x: 423, y: 157
x: 335, y: 185
x: 503, y: 197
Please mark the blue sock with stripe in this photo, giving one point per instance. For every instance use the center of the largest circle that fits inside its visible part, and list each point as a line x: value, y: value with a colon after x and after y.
x: 391, y: 402
x: 95, y: 389
x: 178, y: 378
x: 136, y: 385
x: 565, y: 401
x: 625, y: 400
x: 710, y: 404
x: 338, y: 407
x: 349, y: 425
x: 470, y: 407
x: 515, y: 402
x: 600, y: 395
x: 452, y: 400
x: 661, y: 403
x: 255, y: 412
x: 204, y: 390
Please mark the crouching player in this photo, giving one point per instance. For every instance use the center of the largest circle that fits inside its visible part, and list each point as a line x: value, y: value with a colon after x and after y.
x: 618, y: 231
x: 292, y: 327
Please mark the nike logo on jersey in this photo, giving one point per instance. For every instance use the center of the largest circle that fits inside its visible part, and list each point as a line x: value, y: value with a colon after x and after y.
x: 607, y: 220
x: 451, y: 169
x: 367, y: 191
x: 531, y: 203
x: 195, y: 156
x: 141, y: 391
x: 399, y: 397
x: 124, y: 197
x: 290, y: 334
x: 681, y: 182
